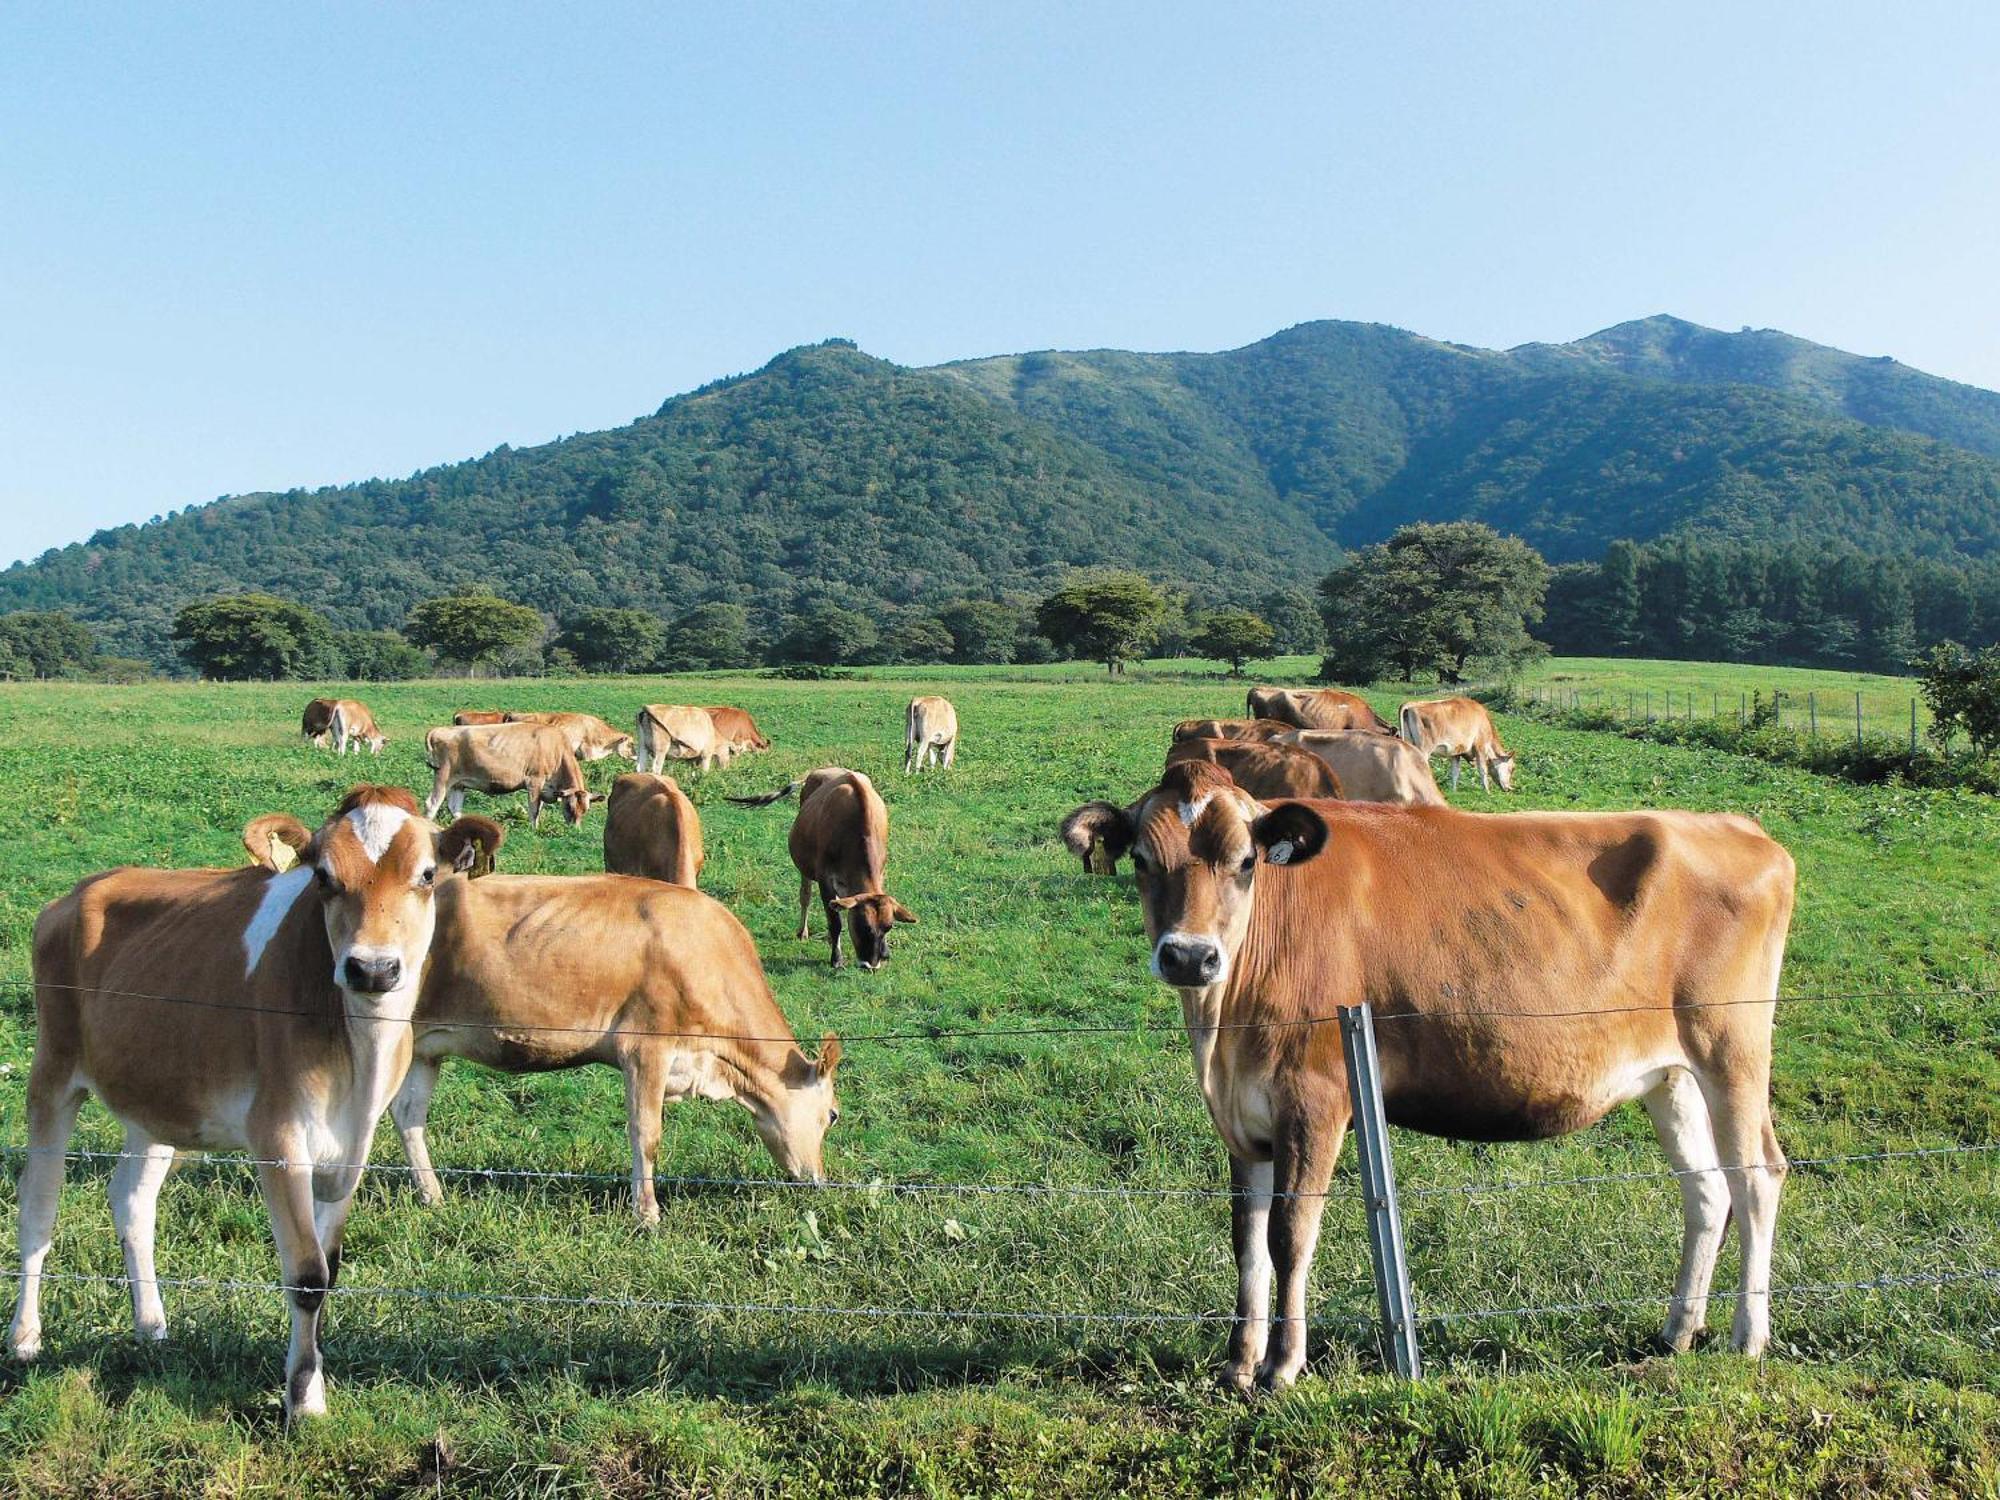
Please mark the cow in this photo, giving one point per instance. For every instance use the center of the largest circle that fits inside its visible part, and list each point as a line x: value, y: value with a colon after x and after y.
x: 840, y: 842
x: 590, y: 738
x: 1593, y: 958
x: 651, y: 829
x: 1461, y: 729
x: 930, y: 733
x: 1264, y: 771
x: 500, y: 758
x: 735, y: 728
x: 675, y: 731
x: 1372, y: 767
x: 467, y: 716
x: 1316, y: 708
x: 531, y: 974
x: 354, y: 726
x: 300, y: 986
x: 1232, y: 729
x: 316, y: 723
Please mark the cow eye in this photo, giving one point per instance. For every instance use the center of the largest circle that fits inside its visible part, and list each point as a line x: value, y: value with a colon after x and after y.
x: 429, y: 876
x: 833, y: 1117
x: 1249, y: 863
x: 323, y: 878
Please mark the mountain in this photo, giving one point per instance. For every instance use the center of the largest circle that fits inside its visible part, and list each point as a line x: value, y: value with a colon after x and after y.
x: 831, y: 475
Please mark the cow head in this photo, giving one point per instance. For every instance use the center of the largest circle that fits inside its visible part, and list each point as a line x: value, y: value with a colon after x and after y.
x: 1196, y: 842
x: 793, y: 1124
x: 623, y: 746
x: 375, y: 867
x: 869, y: 918
x: 1502, y: 767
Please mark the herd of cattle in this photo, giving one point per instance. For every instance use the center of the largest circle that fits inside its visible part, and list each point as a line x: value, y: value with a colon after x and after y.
x: 1530, y: 972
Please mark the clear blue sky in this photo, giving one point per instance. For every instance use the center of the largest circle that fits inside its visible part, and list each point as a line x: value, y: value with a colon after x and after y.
x: 247, y: 247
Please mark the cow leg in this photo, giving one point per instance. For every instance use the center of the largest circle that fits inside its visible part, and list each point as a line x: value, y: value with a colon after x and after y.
x: 805, y: 905
x: 1680, y: 1118
x: 950, y: 752
x: 135, y: 1195
x: 1454, y: 772
x: 1249, y: 1226
x: 456, y: 801
x: 1485, y: 785
x: 832, y: 927
x: 1755, y: 1167
x: 645, y: 1097
x: 288, y: 1196
x: 1306, y: 1147
x: 534, y: 804
x: 411, y: 1109
x: 912, y: 756
x: 440, y: 789
x: 51, y: 1118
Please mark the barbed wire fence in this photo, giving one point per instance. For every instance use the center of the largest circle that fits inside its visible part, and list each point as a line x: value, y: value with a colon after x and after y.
x: 1980, y: 1276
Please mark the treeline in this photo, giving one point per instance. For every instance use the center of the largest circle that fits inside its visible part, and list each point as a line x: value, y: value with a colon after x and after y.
x: 1797, y: 604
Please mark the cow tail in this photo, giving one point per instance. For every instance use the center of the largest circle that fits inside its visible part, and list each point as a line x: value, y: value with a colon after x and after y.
x: 1411, y: 729
x: 768, y: 798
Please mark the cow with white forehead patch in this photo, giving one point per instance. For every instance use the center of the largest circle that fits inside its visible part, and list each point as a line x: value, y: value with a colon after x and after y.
x: 238, y: 1009
x: 1529, y: 973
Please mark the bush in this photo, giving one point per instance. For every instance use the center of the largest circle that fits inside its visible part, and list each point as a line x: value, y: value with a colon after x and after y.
x: 240, y: 637
x: 1963, y: 690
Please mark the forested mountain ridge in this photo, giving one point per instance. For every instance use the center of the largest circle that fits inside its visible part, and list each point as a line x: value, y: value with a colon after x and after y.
x: 831, y: 476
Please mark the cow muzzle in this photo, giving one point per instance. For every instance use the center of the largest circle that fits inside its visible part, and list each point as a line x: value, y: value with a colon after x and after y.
x: 371, y: 973
x: 1188, y: 960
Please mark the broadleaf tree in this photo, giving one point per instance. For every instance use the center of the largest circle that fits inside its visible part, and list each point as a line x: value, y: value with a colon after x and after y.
x: 1110, y: 616
x: 242, y: 637
x: 473, y: 627
x: 1234, y: 636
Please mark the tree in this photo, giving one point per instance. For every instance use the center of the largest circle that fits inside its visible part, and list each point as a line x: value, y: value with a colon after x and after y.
x: 473, y: 626
x: 1105, y: 616
x: 1432, y: 599
x: 1234, y: 636
x: 613, y: 640
x: 239, y: 637
x: 1962, y: 688
x: 708, y: 638
x: 45, y: 643
x: 827, y: 635
x: 917, y: 637
x: 1294, y: 621
x: 379, y: 656
x: 982, y: 630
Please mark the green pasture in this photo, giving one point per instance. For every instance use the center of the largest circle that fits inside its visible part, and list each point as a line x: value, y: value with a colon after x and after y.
x: 1894, y: 1044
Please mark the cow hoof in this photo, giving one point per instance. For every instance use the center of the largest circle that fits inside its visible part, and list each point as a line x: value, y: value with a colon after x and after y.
x: 151, y: 1333
x: 26, y: 1347
x: 1241, y: 1379
x: 1273, y: 1380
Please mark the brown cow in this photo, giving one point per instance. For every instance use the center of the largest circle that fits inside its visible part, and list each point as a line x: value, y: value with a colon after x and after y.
x: 345, y: 721
x: 500, y: 758
x: 590, y: 738
x: 676, y: 731
x: 536, y: 973
x: 467, y: 716
x: 1372, y: 767
x: 304, y: 984
x: 735, y: 728
x: 1316, y: 708
x: 316, y: 723
x: 1598, y: 958
x: 840, y: 840
x: 651, y: 829
x: 930, y: 734
x: 1461, y: 729
x: 1232, y: 729
x: 1264, y: 771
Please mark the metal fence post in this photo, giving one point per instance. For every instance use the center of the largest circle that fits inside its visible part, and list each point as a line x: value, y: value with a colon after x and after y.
x: 1378, y: 1189
x: 1913, y: 727
x: 1812, y: 714
x: 1857, y: 718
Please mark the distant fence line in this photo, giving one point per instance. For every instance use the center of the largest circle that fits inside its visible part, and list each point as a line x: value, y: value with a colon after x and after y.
x: 1808, y: 711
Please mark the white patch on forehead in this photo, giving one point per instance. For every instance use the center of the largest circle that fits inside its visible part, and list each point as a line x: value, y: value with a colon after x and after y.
x: 376, y: 826
x: 1192, y: 810
x: 281, y: 893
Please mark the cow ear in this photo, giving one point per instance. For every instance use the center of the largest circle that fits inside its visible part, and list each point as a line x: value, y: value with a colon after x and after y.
x: 902, y: 913
x: 471, y: 844
x: 1289, y: 834
x: 829, y: 1055
x: 847, y: 903
x: 275, y: 841
x: 1098, y: 824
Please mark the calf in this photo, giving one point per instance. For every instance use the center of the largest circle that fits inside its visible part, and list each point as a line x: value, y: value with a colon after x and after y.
x: 651, y: 829
x: 354, y: 726
x: 1372, y: 767
x: 302, y: 988
x: 1316, y: 708
x: 590, y: 738
x: 735, y: 728
x: 840, y: 841
x: 1596, y: 958
x: 531, y: 974
x: 500, y: 758
x: 1461, y: 729
x: 930, y: 733
x: 674, y: 731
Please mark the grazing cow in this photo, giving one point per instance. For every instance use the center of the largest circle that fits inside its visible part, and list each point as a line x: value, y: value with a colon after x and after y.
x: 537, y: 973
x: 651, y: 829
x: 467, y: 716
x: 930, y: 733
x: 590, y: 738
x: 354, y: 726
x: 840, y: 840
x: 303, y: 987
x: 1264, y: 771
x: 1461, y: 729
x: 1232, y: 729
x: 1316, y: 708
x: 1594, y: 958
x: 500, y: 758
x: 1372, y: 767
x: 674, y: 731
x: 316, y: 723
x: 735, y: 728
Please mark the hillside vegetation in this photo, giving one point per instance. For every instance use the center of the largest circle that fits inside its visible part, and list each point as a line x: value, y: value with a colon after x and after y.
x: 832, y: 478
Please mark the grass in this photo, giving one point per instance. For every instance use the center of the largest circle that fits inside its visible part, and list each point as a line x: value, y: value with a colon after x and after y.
x: 1867, y: 1392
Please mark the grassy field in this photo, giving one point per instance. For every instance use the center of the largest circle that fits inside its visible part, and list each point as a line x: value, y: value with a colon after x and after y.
x: 1867, y: 1392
